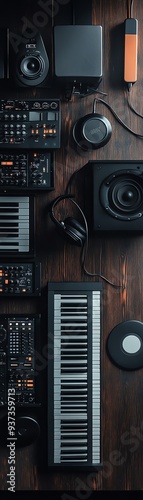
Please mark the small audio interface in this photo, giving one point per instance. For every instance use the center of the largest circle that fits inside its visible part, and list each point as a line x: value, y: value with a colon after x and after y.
x: 20, y: 279
x: 32, y: 170
x: 18, y: 350
x: 30, y: 124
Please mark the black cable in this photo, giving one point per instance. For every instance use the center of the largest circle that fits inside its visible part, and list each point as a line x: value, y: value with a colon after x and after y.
x: 132, y: 107
x: 131, y: 8
x: 89, y: 91
x: 71, y: 178
x: 140, y: 136
x: 129, y: 86
x: 128, y: 9
x: 88, y: 273
x: 85, y: 246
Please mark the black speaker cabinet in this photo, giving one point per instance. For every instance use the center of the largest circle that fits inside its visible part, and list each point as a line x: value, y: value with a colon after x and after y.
x: 29, y: 64
x: 117, y: 195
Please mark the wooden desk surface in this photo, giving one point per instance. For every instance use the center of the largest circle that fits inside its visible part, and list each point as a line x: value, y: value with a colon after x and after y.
x: 118, y: 257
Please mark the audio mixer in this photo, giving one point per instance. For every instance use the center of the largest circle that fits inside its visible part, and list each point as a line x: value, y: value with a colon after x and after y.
x: 30, y: 124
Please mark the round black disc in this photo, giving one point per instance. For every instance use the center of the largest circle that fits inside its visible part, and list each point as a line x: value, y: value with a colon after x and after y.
x: 27, y: 430
x: 92, y: 131
x: 125, y: 345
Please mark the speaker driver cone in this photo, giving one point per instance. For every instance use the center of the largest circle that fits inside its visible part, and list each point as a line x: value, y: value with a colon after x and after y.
x: 32, y: 66
x: 121, y: 194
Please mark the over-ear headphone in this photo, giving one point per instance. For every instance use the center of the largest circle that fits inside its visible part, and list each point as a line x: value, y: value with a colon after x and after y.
x: 72, y: 229
x: 92, y: 131
x: 75, y: 232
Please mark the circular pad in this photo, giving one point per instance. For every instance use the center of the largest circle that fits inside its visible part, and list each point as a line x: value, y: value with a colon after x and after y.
x: 125, y: 345
x: 92, y: 131
x: 27, y: 430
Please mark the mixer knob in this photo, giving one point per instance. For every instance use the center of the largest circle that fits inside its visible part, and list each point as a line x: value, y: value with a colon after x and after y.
x: 34, y: 167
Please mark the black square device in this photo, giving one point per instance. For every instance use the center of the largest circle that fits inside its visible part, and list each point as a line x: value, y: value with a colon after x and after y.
x: 78, y: 54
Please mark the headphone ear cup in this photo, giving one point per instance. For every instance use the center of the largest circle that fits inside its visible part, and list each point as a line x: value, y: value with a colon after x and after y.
x: 75, y: 231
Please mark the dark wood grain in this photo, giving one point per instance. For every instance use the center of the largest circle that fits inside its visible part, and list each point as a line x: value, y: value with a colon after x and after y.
x: 118, y: 257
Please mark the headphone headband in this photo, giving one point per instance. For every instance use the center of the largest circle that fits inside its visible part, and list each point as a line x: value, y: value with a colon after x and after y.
x: 53, y: 204
x: 72, y: 228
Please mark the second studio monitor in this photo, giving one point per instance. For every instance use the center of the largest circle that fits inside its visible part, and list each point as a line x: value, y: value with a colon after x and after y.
x: 117, y: 195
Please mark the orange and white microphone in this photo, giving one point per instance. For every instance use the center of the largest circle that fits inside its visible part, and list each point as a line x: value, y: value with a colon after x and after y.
x: 130, y: 50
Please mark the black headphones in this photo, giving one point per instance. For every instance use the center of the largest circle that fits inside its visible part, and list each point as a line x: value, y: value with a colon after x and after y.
x: 92, y: 131
x: 72, y: 229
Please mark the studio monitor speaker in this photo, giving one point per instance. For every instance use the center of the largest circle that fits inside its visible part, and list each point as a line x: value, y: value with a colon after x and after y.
x: 117, y: 195
x: 29, y: 66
